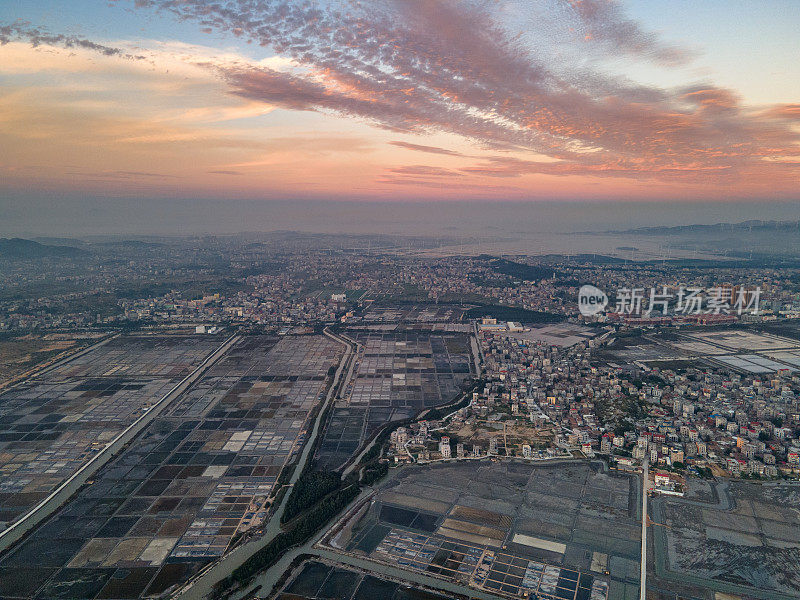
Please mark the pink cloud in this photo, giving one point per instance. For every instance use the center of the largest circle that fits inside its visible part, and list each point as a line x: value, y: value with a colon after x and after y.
x: 604, y: 23
x: 415, y: 66
x: 428, y: 149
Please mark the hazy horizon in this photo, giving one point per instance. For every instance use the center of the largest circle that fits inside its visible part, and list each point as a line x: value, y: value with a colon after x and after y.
x: 79, y: 217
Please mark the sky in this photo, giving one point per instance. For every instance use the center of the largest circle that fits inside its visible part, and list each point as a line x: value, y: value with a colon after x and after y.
x: 403, y: 100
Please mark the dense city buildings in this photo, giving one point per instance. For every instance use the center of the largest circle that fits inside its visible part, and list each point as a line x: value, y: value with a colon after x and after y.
x: 440, y: 416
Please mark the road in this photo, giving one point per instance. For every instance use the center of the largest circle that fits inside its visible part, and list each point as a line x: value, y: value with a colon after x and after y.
x: 354, y: 461
x: 662, y: 568
x: 477, y: 353
x: 643, y: 567
x: 263, y: 584
x: 203, y: 585
x: 71, y: 485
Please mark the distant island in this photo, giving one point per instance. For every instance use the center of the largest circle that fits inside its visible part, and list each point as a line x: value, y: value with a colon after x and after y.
x: 21, y: 249
x: 753, y: 225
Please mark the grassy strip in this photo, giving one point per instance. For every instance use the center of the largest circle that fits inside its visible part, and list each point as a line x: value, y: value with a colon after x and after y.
x: 434, y: 414
x: 373, y: 473
x: 299, y: 534
x: 310, y: 487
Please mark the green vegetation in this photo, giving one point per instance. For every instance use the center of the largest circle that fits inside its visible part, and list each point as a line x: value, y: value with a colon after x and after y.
x: 486, y: 282
x: 512, y: 313
x: 620, y: 413
x: 647, y: 378
x: 376, y: 449
x: 437, y: 413
x: 371, y: 465
x: 411, y: 293
x: 20, y: 249
x: 374, y: 473
x: 19, y: 353
x: 147, y: 290
x: 300, y: 533
x: 284, y: 477
x: 568, y: 283
x: 704, y: 472
x: 462, y: 298
x: 520, y: 270
x: 310, y: 488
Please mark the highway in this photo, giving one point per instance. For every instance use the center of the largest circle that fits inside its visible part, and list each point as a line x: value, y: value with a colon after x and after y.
x: 477, y: 353
x: 643, y: 567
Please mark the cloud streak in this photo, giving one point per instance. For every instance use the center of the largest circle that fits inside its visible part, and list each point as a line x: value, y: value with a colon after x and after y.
x: 428, y: 149
x: 36, y: 36
x: 415, y: 66
x: 458, y: 67
x: 603, y: 22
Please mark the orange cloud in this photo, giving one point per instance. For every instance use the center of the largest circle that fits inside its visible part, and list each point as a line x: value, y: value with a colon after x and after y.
x: 421, y: 68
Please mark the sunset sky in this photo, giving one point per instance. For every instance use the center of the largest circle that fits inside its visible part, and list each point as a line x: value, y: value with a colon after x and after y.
x: 401, y: 100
